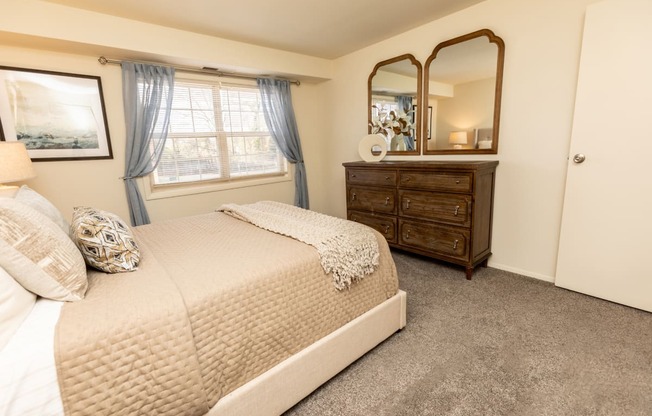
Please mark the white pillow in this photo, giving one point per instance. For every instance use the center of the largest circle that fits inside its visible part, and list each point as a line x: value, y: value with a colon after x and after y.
x: 35, y: 200
x: 15, y: 304
x: 38, y: 254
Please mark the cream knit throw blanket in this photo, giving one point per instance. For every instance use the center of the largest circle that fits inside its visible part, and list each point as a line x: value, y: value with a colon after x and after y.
x: 347, y: 249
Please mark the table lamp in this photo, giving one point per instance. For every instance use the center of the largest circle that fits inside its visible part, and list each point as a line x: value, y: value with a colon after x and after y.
x: 15, y: 166
x: 457, y: 139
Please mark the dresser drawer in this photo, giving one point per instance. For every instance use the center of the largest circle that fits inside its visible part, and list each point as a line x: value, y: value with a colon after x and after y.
x: 448, y: 208
x: 371, y: 177
x: 440, y: 181
x: 381, y: 200
x: 382, y: 223
x: 436, y: 239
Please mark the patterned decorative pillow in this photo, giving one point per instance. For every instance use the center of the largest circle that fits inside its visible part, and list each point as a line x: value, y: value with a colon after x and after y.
x: 105, y: 240
x: 38, y: 254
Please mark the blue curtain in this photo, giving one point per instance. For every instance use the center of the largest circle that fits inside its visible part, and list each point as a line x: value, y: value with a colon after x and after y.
x: 409, y: 143
x: 147, y: 95
x: 404, y: 103
x: 279, y: 115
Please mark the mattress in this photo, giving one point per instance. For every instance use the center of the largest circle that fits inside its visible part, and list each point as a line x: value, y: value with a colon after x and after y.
x: 215, y: 303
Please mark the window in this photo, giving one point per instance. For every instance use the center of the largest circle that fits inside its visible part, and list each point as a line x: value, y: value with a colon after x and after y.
x: 217, y: 133
x: 384, y: 104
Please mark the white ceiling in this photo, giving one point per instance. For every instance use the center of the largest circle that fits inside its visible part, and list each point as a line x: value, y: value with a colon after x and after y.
x: 322, y: 28
x: 464, y: 62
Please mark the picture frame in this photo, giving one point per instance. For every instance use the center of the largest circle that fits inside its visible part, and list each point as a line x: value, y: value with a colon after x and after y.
x: 415, y: 119
x: 58, y: 115
x: 429, y: 130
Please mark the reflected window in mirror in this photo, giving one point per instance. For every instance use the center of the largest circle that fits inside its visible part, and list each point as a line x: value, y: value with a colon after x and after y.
x: 463, y: 84
x: 394, y: 90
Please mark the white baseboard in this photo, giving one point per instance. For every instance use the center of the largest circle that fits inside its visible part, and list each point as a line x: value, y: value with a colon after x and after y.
x: 527, y: 273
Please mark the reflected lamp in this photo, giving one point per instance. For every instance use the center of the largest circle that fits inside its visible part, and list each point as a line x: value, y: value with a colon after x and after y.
x: 457, y: 139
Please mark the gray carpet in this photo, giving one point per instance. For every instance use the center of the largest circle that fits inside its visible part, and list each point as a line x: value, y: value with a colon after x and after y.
x: 501, y: 344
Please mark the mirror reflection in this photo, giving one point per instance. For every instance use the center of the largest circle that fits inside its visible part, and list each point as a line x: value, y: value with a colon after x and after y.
x: 462, y: 88
x: 394, y: 96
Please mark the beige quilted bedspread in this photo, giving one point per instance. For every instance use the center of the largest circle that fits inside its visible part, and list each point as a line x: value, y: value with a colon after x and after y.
x: 215, y: 303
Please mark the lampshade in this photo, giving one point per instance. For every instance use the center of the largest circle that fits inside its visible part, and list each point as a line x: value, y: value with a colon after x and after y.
x: 15, y: 164
x: 457, y: 137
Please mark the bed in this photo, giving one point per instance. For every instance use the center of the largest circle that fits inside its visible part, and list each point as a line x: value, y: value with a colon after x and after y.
x: 221, y: 317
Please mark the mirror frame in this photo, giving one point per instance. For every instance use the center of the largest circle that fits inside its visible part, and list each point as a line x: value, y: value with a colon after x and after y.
x: 417, y: 128
x: 497, y: 97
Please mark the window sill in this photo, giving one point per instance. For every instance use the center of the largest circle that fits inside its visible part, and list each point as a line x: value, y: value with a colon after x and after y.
x: 173, y: 191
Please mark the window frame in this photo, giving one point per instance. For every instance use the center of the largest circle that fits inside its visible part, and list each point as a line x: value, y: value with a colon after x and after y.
x: 153, y: 190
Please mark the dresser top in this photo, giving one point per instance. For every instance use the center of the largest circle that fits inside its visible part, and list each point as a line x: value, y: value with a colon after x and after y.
x: 425, y: 164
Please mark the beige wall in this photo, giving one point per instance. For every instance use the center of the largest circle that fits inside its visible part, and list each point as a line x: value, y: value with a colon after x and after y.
x: 470, y: 108
x: 46, y: 36
x: 68, y: 184
x: 64, y: 28
x: 542, y: 40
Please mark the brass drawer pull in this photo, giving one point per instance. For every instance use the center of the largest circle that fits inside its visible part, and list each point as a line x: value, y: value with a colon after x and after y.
x: 457, y: 182
x: 386, y: 201
x: 386, y: 229
x: 407, y: 235
x: 387, y: 178
x: 353, y: 197
x: 457, y: 210
x: 455, y: 244
x: 407, y: 179
x: 407, y: 204
x: 354, y: 176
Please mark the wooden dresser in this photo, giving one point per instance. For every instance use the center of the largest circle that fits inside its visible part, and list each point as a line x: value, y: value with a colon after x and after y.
x: 440, y: 209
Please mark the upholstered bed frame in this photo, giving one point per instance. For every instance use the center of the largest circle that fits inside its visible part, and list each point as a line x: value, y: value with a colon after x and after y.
x: 199, y: 327
x: 284, y: 385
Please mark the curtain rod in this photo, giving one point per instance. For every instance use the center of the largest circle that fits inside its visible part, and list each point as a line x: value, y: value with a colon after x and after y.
x: 204, y: 70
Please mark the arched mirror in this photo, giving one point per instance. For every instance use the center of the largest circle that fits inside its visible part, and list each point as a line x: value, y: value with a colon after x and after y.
x: 462, y: 88
x: 394, y: 97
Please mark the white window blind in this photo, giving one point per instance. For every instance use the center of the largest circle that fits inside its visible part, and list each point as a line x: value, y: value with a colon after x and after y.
x: 217, y: 132
x: 383, y: 103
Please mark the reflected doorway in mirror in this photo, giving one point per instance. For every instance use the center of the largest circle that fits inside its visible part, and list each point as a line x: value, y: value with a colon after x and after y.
x: 415, y: 121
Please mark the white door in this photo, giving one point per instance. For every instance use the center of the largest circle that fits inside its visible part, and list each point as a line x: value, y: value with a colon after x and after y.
x: 605, y: 247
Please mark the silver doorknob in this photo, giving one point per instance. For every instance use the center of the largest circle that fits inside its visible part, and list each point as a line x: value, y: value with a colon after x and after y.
x: 579, y: 158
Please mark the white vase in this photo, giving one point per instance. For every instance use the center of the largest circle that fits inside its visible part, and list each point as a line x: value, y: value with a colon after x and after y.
x: 398, y: 143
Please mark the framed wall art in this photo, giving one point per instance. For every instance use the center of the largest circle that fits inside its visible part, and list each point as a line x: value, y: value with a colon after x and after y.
x: 59, y: 116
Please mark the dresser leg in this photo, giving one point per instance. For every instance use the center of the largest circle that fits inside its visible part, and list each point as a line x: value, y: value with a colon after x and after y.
x: 469, y: 273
